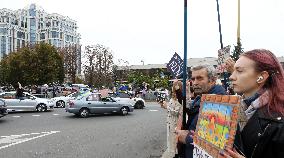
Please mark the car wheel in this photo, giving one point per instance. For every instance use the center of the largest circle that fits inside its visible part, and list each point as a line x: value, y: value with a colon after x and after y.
x: 139, y: 105
x: 41, y: 107
x: 84, y: 112
x: 60, y: 104
x: 124, y: 111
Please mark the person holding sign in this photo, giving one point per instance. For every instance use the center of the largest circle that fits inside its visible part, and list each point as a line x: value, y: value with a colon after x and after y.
x: 203, y: 82
x: 259, y: 76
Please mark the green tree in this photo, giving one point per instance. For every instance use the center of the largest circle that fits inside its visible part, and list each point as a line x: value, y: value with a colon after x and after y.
x: 37, y: 64
x: 70, y: 56
x: 154, y: 81
x: 238, y: 50
x: 99, y: 65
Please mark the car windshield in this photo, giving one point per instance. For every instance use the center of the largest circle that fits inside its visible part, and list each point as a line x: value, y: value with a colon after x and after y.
x: 82, y: 95
x: 76, y: 94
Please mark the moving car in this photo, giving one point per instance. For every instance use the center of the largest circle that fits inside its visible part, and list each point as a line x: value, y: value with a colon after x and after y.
x: 26, y: 103
x: 92, y: 103
x: 61, y: 101
x: 3, y: 108
x: 139, y: 103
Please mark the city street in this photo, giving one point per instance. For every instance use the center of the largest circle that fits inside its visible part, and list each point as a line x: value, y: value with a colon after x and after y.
x: 58, y: 134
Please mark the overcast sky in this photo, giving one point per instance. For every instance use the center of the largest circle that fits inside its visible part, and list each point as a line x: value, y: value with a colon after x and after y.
x: 152, y: 30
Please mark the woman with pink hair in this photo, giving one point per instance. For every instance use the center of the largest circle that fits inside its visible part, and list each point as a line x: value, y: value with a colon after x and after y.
x: 259, y: 77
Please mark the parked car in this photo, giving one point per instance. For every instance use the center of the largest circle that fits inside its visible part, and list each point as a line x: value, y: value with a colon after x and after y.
x: 26, y: 103
x: 3, y: 108
x: 92, y: 103
x: 139, y: 103
x: 61, y: 101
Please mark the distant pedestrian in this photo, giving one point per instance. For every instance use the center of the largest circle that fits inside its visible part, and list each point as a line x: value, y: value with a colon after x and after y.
x: 19, y: 91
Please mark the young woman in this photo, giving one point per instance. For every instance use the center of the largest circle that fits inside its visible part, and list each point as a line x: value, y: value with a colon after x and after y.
x: 259, y: 77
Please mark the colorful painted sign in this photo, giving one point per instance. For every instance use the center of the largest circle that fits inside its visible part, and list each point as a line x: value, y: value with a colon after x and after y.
x: 217, y: 123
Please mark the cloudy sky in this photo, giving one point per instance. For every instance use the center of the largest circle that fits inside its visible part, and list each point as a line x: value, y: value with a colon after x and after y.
x: 152, y: 30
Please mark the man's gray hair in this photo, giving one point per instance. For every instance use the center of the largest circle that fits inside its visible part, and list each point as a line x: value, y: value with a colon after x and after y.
x: 211, y: 71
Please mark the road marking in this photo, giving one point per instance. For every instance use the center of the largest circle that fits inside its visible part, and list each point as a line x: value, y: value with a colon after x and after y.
x: 35, y: 133
x: 55, y: 114
x: 18, y: 139
x: 36, y: 115
x: 153, y: 110
x: 16, y: 116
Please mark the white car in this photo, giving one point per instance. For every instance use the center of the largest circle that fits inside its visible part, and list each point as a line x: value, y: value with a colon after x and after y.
x: 138, y: 103
x: 62, y: 101
x: 26, y: 103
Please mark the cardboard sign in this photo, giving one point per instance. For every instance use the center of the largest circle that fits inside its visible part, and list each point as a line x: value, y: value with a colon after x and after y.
x: 217, y: 123
x: 223, y: 54
x: 198, y: 152
x: 175, y: 66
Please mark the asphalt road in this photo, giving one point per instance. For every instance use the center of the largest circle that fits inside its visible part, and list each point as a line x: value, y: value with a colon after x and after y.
x: 57, y: 134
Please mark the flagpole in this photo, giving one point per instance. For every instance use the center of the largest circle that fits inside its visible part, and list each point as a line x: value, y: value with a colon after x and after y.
x: 184, y: 66
x: 225, y: 74
x: 220, y: 30
x: 239, y: 22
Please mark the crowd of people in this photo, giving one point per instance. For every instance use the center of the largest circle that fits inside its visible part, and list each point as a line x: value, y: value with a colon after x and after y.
x: 259, y: 78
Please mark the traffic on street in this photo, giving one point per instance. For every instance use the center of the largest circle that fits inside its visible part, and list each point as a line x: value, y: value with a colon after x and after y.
x: 58, y: 133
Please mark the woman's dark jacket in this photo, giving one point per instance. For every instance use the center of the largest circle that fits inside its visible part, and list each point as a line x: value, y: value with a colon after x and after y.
x: 262, y: 136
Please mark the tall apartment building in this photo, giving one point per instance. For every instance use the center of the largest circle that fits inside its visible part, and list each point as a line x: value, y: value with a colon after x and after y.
x: 32, y: 25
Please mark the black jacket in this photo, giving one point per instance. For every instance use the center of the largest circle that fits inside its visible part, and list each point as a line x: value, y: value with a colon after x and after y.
x: 262, y: 136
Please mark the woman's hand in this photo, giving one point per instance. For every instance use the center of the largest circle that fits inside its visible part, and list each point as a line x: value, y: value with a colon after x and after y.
x: 232, y: 154
x: 229, y: 64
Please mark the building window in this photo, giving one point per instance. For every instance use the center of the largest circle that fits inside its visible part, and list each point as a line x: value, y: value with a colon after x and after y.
x: 23, y: 43
x: 47, y: 24
x: 20, y: 35
x: 18, y: 43
x: 3, y: 44
x: 54, y: 34
x: 10, y: 44
x: 42, y: 36
x: 3, y: 31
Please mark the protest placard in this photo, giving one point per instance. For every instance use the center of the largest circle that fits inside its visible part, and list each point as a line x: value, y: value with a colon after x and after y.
x: 175, y: 66
x: 216, y: 125
x: 223, y: 54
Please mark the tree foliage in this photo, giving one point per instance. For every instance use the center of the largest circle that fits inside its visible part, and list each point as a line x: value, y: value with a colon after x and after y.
x: 99, y: 65
x: 38, y: 64
x: 238, y: 50
x: 71, y: 60
x: 121, y: 70
x: 154, y: 80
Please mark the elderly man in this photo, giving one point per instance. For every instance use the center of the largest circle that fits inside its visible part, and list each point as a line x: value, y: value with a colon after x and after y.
x: 204, y: 82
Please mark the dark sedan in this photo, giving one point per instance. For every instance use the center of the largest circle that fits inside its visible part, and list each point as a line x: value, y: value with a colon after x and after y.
x: 3, y: 108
